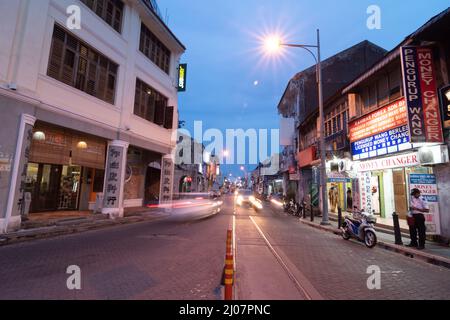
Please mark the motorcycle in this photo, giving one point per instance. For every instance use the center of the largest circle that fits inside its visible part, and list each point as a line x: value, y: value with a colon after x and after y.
x: 287, y: 205
x: 360, y: 228
x: 292, y: 208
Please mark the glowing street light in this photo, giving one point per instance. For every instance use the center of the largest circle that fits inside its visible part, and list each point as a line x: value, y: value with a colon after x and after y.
x: 273, y: 45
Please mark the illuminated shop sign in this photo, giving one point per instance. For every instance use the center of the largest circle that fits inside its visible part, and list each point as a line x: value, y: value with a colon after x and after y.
x: 420, y: 88
x: 389, y: 117
x: 382, y: 132
x: 384, y: 143
x: 400, y: 161
x: 182, y: 71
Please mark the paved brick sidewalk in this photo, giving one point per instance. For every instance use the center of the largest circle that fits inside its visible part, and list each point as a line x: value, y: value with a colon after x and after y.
x: 434, y: 253
x: 338, y: 268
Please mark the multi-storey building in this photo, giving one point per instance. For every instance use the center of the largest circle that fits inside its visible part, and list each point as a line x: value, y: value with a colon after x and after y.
x: 387, y: 159
x: 300, y: 101
x: 85, y: 111
x: 190, y: 169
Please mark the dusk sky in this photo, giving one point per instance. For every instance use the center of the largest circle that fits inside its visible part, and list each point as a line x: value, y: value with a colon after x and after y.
x: 224, y: 55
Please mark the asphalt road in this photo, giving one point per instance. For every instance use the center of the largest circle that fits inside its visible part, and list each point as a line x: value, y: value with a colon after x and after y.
x: 277, y: 258
x: 328, y: 267
x: 153, y: 260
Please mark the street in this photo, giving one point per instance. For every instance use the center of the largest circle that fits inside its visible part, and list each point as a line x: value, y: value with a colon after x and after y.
x: 277, y: 258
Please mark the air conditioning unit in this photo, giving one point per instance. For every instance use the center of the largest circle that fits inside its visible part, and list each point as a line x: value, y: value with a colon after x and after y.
x: 433, y: 155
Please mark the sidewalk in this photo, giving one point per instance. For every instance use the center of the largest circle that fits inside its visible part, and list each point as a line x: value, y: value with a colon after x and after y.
x: 63, y: 225
x: 434, y: 253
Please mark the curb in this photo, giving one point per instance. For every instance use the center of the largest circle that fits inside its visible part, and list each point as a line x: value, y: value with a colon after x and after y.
x: 59, y: 230
x: 411, y: 253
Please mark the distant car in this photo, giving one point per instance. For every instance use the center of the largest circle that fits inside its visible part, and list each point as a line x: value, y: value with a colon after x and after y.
x: 215, y: 194
x: 246, y: 197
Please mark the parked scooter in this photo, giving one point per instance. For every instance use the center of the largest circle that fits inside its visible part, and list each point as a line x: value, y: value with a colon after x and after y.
x: 361, y: 227
x: 293, y: 207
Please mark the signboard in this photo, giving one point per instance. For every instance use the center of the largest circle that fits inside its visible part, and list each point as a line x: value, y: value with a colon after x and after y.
x: 306, y: 157
x: 356, y: 194
x: 389, y: 117
x: 366, y: 191
x: 400, y: 161
x: 113, y: 177
x: 182, y: 71
x: 445, y: 105
x: 387, y: 142
x: 381, y: 132
x: 166, y: 179
x: 420, y: 88
x: 426, y: 183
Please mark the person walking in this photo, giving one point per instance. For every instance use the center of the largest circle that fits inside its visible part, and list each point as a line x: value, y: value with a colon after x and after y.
x: 416, y: 219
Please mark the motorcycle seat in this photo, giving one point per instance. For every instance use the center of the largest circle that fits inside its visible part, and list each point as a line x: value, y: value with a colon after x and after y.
x: 357, y: 222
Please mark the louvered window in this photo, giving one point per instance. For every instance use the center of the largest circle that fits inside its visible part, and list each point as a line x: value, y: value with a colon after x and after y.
x: 152, y: 105
x: 78, y: 65
x: 111, y: 11
x: 154, y: 49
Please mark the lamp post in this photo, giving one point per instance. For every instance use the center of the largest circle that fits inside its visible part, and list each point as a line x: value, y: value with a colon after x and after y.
x: 272, y: 44
x: 245, y: 176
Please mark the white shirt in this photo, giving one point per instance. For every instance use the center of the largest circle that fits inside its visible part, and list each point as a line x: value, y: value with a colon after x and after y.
x: 419, y: 203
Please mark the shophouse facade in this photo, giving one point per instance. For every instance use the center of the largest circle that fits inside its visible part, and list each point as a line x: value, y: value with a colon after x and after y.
x: 87, y: 114
x: 300, y: 101
x: 190, y: 169
x: 391, y: 153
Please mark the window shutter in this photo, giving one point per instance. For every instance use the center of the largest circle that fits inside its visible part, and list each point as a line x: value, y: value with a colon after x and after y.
x: 150, y: 110
x: 68, y: 67
x: 92, y: 79
x: 56, y: 56
x: 168, y: 119
x: 159, y: 112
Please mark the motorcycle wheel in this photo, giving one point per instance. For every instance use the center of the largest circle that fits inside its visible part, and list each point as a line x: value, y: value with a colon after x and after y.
x: 370, y: 239
x: 345, y: 234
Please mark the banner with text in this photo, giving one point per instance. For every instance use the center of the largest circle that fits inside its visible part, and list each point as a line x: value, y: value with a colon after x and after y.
x: 426, y: 183
x: 382, y: 132
x: 419, y: 80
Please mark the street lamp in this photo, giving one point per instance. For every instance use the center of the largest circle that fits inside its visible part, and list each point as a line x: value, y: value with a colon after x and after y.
x: 273, y: 44
x: 245, y: 175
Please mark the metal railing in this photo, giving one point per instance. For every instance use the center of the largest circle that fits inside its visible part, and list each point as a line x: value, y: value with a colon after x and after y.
x: 153, y: 5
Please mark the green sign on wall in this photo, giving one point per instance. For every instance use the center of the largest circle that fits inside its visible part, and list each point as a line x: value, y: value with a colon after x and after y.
x: 182, y: 71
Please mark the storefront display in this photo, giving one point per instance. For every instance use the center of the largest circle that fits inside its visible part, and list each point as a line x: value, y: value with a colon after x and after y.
x: 59, y: 158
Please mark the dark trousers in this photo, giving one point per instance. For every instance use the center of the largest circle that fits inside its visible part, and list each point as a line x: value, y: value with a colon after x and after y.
x: 418, y: 227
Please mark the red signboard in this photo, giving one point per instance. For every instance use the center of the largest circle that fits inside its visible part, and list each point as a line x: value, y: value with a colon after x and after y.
x: 419, y: 80
x: 389, y: 117
x: 306, y: 157
x: 430, y: 101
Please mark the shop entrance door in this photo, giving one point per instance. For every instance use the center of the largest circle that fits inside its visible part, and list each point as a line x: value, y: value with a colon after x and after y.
x: 400, y: 196
x: 54, y: 187
x: 46, y: 188
x: 152, y: 185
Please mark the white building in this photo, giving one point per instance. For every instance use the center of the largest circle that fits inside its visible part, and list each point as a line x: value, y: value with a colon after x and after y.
x: 85, y: 111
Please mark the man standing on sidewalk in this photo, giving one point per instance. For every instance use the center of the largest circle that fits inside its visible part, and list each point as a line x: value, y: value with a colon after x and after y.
x: 418, y: 207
